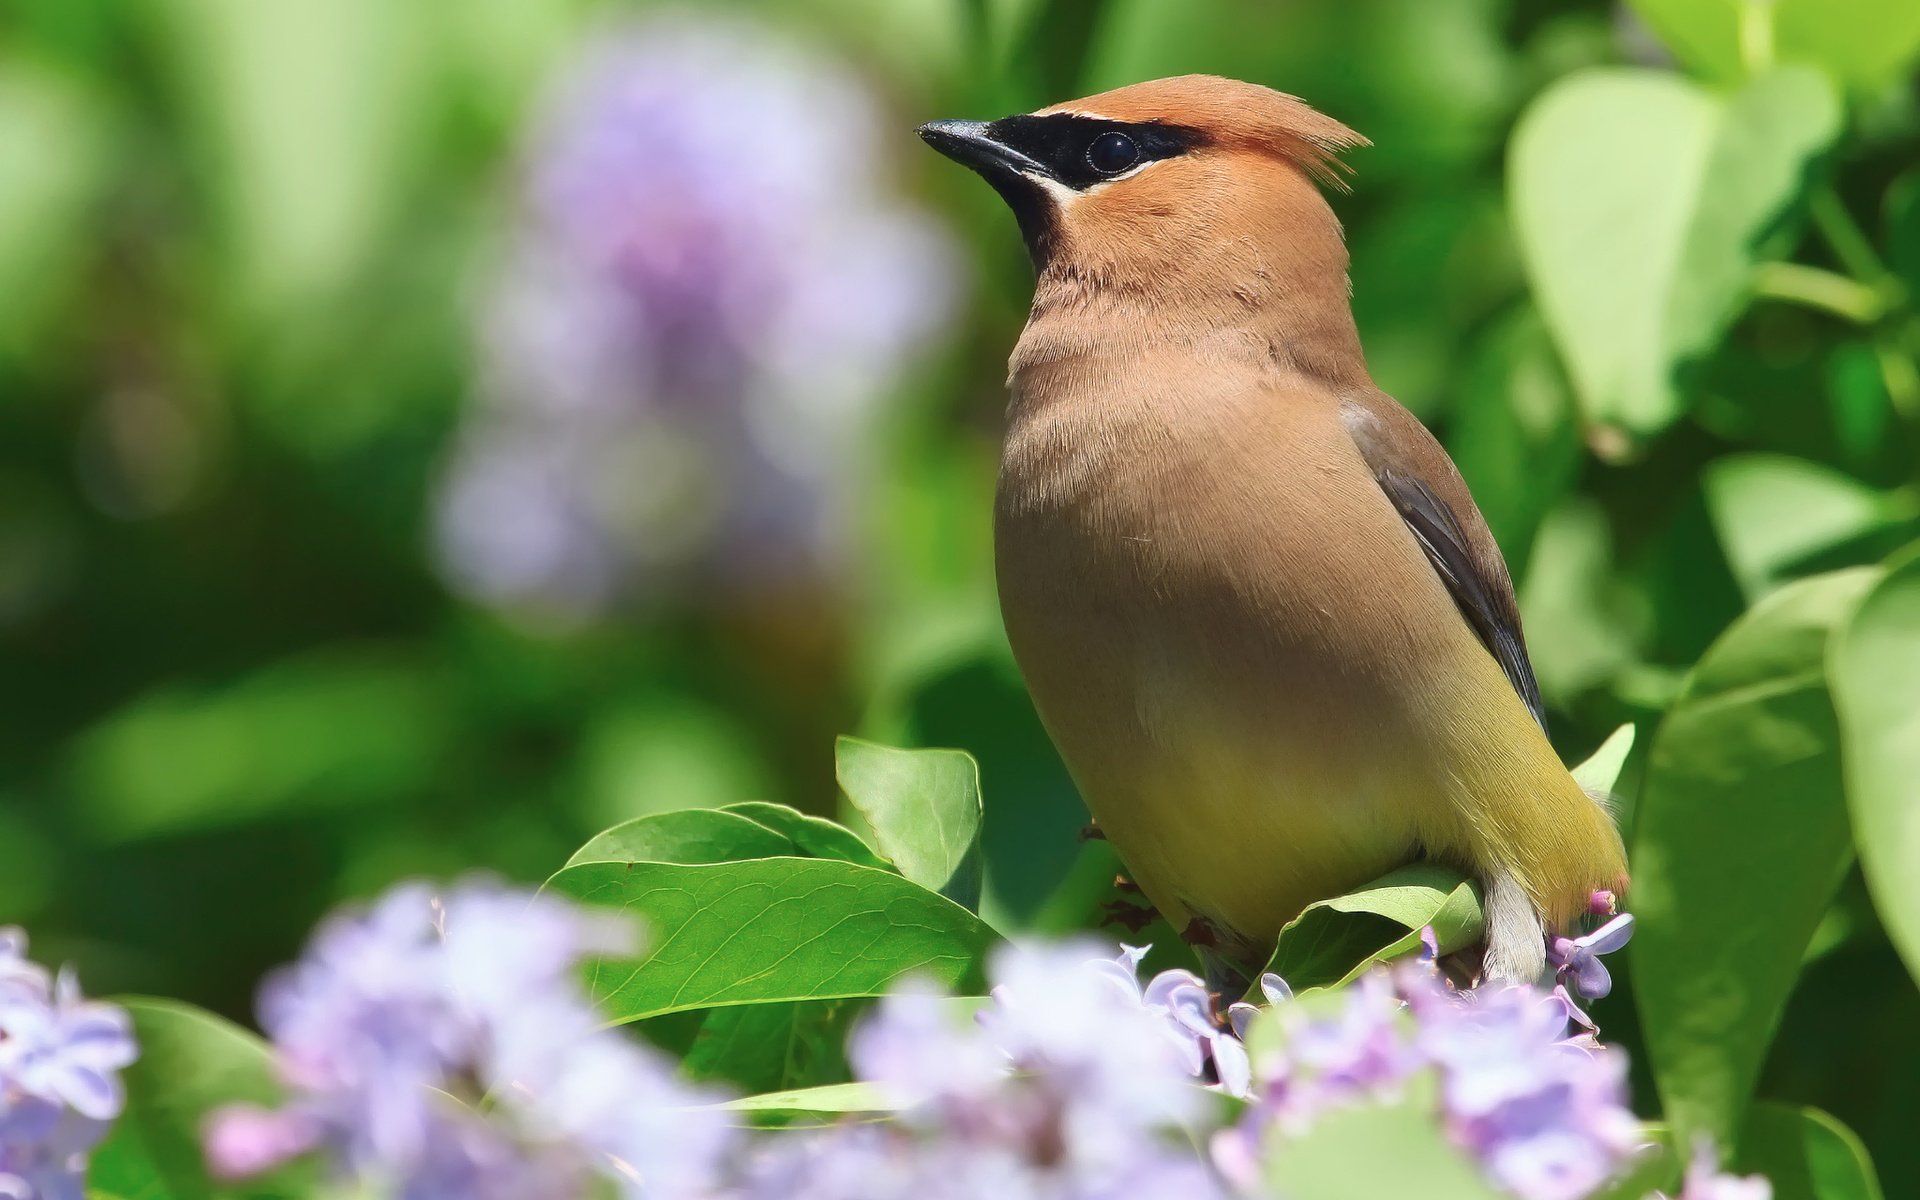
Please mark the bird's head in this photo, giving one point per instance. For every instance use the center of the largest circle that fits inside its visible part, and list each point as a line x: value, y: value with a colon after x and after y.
x: 1133, y: 184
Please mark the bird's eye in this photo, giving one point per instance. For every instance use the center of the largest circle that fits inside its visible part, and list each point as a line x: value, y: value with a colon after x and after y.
x: 1112, y: 153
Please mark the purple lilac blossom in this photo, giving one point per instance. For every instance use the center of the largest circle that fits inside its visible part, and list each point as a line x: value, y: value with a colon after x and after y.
x: 694, y: 322
x: 1069, y: 1084
x: 60, y: 1058
x: 1576, y: 961
x: 400, y: 1013
x: 1704, y: 1180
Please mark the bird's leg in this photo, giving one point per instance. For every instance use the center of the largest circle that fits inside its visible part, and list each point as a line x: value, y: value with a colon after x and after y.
x: 1516, y: 937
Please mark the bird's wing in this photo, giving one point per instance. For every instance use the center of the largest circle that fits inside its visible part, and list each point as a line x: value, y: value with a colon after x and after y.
x: 1433, y: 500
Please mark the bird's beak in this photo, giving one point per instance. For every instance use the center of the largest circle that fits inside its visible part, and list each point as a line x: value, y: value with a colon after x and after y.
x: 972, y: 144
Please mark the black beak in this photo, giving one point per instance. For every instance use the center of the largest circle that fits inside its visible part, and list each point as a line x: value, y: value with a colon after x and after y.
x: 972, y: 144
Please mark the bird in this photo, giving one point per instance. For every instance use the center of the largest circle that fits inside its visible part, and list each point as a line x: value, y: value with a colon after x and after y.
x: 1254, y: 603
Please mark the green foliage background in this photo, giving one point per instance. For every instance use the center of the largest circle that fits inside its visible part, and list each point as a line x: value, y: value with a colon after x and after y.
x: 1651, y: 271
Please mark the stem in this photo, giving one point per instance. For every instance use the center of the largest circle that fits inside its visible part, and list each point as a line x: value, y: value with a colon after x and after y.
x: 1849, y: 242
x: 1816, y: 287
x: 1901, y: 376
x: 1756, y: 35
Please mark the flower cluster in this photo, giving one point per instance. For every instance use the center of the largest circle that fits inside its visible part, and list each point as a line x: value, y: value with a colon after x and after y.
x: 60, y: 1057
x: 1522, y: 1084
x: 1072, y: 1082
x: 440, y: 1046
x: 693, y: 321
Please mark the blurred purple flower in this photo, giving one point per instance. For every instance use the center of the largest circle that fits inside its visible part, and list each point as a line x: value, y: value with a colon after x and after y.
x: 60, y: 1058
x: 1705, y: 1182
x: 1070, y: 1083
x: 1547, y: 1117
x: 398, y: 1014
x: 694, y: 321
x: 1577, y: 960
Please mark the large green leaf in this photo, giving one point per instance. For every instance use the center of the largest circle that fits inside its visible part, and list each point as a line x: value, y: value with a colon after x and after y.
x: 1772, y: 513
x: 774, y: 929
x: 191, y: 1062
x: 1866, y: 43
x: 1876, y: 690
x: 1740, y: 841
x: 1806, y: 1154
x: 924, y: 809
x: 1639, y: 199
x: 1336, y: 940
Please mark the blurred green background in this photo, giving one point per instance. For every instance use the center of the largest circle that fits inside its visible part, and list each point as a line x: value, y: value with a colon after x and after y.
x: 291, y: 307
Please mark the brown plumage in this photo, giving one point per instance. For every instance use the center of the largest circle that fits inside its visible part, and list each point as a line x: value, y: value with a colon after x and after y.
x: 1256, y: 606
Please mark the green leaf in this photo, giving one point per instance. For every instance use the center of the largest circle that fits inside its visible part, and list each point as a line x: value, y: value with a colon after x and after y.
x: 1806, y: 1154
x: 1876, y: 690
x: 303, y: 121
x: 1639, y: 199
x: 775, y: 929
x: 833, y: 1099
x: 773, y: 1047
x: 191, y: 1062
x: 1374, y: 1151
x: 1335, y: 941
x: 1741, y: 839
x: 815, y: 837
x: 924, y: 809
x: 54, y: 145
x: 1865, y: 43
x: 1600, y: 774
x: 689, y: 835
x: 1772, y: 513
x: 343, y: 729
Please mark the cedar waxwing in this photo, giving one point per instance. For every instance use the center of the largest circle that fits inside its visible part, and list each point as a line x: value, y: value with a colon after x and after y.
x: 1256, y: 606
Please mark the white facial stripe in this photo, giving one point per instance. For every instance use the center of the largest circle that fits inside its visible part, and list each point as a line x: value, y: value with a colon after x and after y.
x: 1064, y: 195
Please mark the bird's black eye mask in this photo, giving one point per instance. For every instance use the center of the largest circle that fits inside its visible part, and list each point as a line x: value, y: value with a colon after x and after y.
x: 1078, y: 152
x: 1018, y: 155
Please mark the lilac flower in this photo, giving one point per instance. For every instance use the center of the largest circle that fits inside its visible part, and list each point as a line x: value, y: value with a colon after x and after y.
x: 1577, y: 960
x: 60, y: 1058
x: 692, y: 327
x: 1071, y: 1083
x: 1705, y: 1182
x: 401, y: 1016
x: 1547, y: 1117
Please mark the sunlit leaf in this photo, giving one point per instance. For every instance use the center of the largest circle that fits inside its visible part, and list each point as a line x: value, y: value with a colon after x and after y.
x: 191, y: 1062
x: 815, y: 837
x: 834, y: 1099
x: 1336, y: 940
x: 692, y: 835
x: 1865, y: 43
x: 1772, y: 513
x: 1600, y: 774
x: 1639, y: 198
x: 773, y: 929
x: 1371, y: 1151
x: 1741, y: 839
x: 1876, y: 690
x: 924, y: 809
x: 1806, y: 1154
